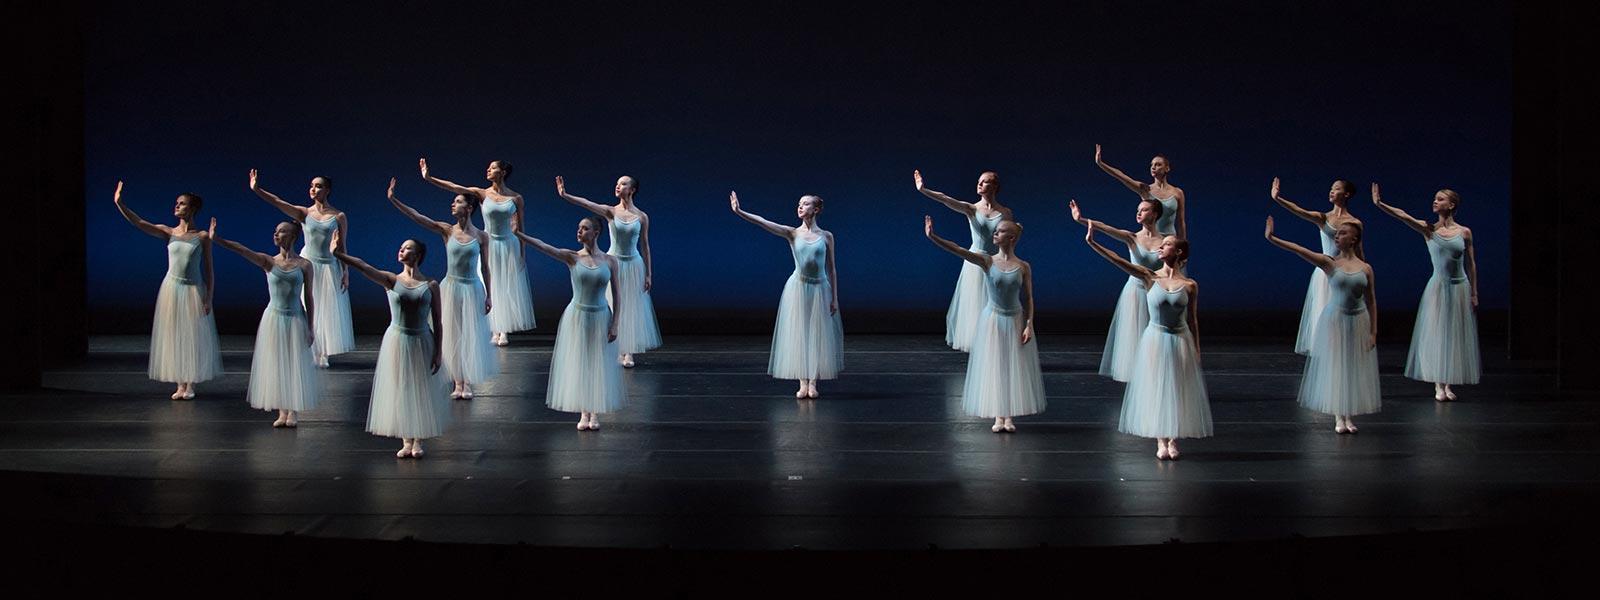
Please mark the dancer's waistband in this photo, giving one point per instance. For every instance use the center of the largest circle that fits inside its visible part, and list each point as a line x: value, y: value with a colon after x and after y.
x: 460, y: 279
x: 316, y: 258
x: 588, y: 307
x: 181, y: 279
x: 291, y: 310
x: 623, y: 256
x: 1178, y: 330
x: 1457, y: 280
x: 1002, y: 311
x: 409, y: 330
x: 809, y: 279
x: 1361, y: 308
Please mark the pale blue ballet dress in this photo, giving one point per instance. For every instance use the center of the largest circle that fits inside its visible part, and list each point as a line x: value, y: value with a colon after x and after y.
x: 1167, y: 223
x: 409, y: 400
x: 807, y: 340
x: 1003, y: 377
x: 1316, y: 294
x: 1444, y: 342
x: 636, y: 323
x: 512, y: 308
x: 183, y: 337
x: 283, y: 375
x: 584, y: 374
x: 1341, y: 376
x: 332, y: 327
x: 468, y: 352
x: 1166, y: 396
x: 971, y: 295
x: 1129, y: 320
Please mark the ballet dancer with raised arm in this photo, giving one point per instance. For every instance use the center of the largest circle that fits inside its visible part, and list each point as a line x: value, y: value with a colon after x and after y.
x: 630, y: 245
x: 983, y: 216
x: 585, y: 376
x: 808, y: 339
x: 321, y: 223
x: 512, y: 299
x: 283, y: 375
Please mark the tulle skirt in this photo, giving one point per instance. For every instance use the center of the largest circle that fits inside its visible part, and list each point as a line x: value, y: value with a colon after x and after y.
x: 636, y: 324
x: 584, y: 374
x: 1341, y: 376
x: 1166, y: 395
x: 468, y: 353
x: 1127, y: 326
x: 1316, y: 298
x: 807, y: 341
x: 331, y: 309
x: 408, y: 401
x: 282, y: 374
x: 1003, y: 378
x: 512, y: 308
x: 961, y: 321
x: 1444, y: 342
x: 183, y: 339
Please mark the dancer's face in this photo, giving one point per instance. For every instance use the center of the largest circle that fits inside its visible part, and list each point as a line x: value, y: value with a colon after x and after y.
x: 1147, y: 213
x: 1006, y: 233
x: 284, y: 235
x: 319, y: 189
x: 409, y: 254
x: 587, y: 233
x: 1338, y: 193
x: 1159, y: 167
x: 494, y: 173
x: 1169, y: 249
x: 183, y: 208
x: 460, y: 207
x: 1346, y: 237
x: 988, y: 184
x: 1443, y: 204
x: 625, y: 187
x: 807, y: 208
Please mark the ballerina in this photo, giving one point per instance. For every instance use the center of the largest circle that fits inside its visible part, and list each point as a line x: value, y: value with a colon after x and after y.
x: 1003, y: 378
x: 983, y: 216
x: 1444, y: 342
x: 1166, y: 394
x: 512, y: 299
x: 585, y: 377
x: 468, y: 354
x: 322, y: 223
x: 1131, y: 316
x: 283, y: 376
x: 630, y: 245
x: 408, y: 400
x: 1327, y: 223
x: 807, y: 340
x: 1174, y: 211
x: 183, y: 337
x: 1341, y: 376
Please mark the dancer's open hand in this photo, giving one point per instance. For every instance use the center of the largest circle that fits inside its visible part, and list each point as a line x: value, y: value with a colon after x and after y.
x: 253, y: 179
x: 1088, y: 234
x: 1275, y: 186
x: 1097, y: 155
x: 390, y: 193
x: 212, y: 231
x: 927, y: 225
x: 917, y: 177
x: 1376, y: 197
x: 1268, y: 234
x: 422, y: 165
x: 116, y: 197
x: 1027, y: 333
x: 733, y: 201
x: 1076, y: 215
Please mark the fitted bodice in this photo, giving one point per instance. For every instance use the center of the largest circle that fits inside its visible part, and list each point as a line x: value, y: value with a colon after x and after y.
x: 410, y: 307
x: 283, y: 288
x: 1169, y: 310
x: 1005, y: 289
x: 497, y: 217
x: 318, y: 235
x: 983, y: 232
x: 625, y: 238
x: 183, y: 259
x: 589, y: 284
x: 1448, y: 254
x: 1347, y: 291
x: 1167, y: 223
x: 1149, y: 259
x: 1327, y: 230
x: 810, y: 257
x: 463, y: 258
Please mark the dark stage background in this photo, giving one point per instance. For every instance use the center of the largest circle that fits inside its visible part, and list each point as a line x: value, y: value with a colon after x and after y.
x: 785, y: 99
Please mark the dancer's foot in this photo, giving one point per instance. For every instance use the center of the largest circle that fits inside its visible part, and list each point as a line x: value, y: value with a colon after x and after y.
x: 455, y: 394
x: 801, y: 393
x: 502, y: 339
x: 416, y: 449
x: 811, y: 390
x: 322, y: 360
x: 583, y: 422
x: 281, y: 419
x: 188, y: 392
x: 1161, y: 450
x: 1009, y: 426
x: 627, y: 361
x: 594, y: 422
x: 999, y: 425
x: 293, y: 419
x: 178, y: 394
x: 466, y: 391
x: 1172, y: 449
x: 1349, y: 425
x: 405, y: 450
x: 1438, y: 393
x: 1448, y: 394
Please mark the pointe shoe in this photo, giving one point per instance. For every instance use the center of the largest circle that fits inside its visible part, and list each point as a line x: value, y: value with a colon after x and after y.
x: 1340, y: 428
x: 322, y: 361
x: 178, y: 395
x: 627, y: 362
x: 1162, y: 453
x: 1172, y: 451
x: 189, y: 395
x: 998, y: 426
x: 291, y: 422
x: 594, y: 424
x: 416, y: 450
x: 1009, y: 426
x: 583, y: 425
x: 502, y: 340
x: 811, y: 392
x: 1350, y: 427
x: 466, y: 395
x: 278, y: 423
x: 1449, y: 395
x: 801, y: 393
x: 405, y: 451
x: 1438, y: 395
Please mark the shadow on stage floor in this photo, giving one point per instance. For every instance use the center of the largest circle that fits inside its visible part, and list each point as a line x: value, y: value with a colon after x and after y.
x: 715, y: 473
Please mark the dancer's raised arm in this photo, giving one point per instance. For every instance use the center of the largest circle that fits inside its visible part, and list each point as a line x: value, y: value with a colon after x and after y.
x: 422, y: 165
x: 1418, y: 225
x: 152, y: 229
x: 782, y: 231
x: 600, y: 210
x: 295, y: 212
x: 1121, y: 263
x: 1122, y: 235
x: 256, y: 258
x: 1309, y: 215
x: 1139, y: 187
x: 383, y: 278
x: 440, y: 227
x: 976, y: 258
x: 1317, y: 259
x: 561, y: 254
x: 965, y: 208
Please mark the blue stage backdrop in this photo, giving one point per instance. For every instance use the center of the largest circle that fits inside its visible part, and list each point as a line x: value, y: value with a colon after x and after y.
x: 782, y: 101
